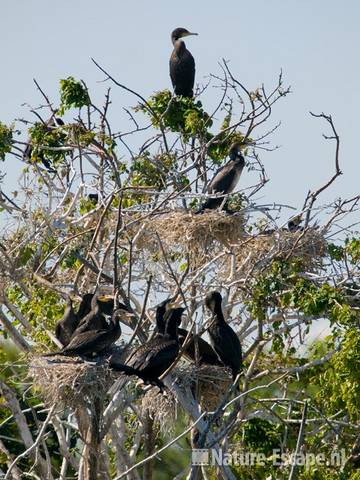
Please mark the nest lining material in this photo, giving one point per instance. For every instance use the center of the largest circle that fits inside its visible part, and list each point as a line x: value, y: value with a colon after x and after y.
x: 69, y: 381
x: 194, y: 233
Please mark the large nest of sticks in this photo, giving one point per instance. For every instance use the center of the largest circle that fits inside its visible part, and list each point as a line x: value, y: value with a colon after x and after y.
x: 255, y: 252
x: 196, y: 235
x: 162, y: 408
x: 70, y: 381
x: 208, y: 383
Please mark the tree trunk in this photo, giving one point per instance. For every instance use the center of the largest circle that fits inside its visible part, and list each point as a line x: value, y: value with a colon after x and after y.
x: 90, y: 431
x: 149, y: 445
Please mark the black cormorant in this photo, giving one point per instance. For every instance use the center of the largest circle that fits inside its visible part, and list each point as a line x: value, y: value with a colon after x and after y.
x: 154, y: 357
x: 182, y: 64
x: 294, y: 224
x: 93, y: 342
x: 85, y: 305
x: 226, y: 179
x: 93, y: 197
x: 53, y: 122
x: 223, y: 338
x: 205, y: 352
x: 66, y: 326
x: 95, y: 319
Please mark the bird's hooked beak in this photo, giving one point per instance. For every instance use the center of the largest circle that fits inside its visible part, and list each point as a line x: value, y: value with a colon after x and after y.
x: 105, y: 298
x: 187, y: 34
x: 173, y: 304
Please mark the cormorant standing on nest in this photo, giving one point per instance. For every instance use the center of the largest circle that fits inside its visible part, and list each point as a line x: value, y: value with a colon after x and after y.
x: 223, y: 338
x: 93, y: 342
x: 205, y: 352
x: 182, y: 64
x: 154, y: 357
x: 94, y: 197
x: 53, y: 122
x: 66, y: 326
x: 294, y: 224
x: 85, y: 305
x: 226, y: 179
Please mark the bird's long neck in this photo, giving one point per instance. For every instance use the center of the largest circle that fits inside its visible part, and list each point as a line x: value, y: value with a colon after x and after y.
x: 68, y: 311
x: 179, y: 46
x: 218, y: 314
x: 171, y: 328
x: 115, y: 321
x: 160, y: 324
x: 96, y: 310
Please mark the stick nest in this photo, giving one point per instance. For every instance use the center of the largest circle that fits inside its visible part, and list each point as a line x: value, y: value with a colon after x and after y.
x: 162, y: 408
x: 196, y: 235
x: 209, y: 382
x: 256, y: 252
x: 70, y: 381
x: 212, y: 383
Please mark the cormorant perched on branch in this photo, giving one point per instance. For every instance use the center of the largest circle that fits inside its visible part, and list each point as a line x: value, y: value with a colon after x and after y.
x: 182, y: 64
x: 93, y: 342
x: 206, y: 354
x: 53, y: 122
x: 226, y: 179
x: 154, y: 357
x: 223, y: 338
x: 66, y: 326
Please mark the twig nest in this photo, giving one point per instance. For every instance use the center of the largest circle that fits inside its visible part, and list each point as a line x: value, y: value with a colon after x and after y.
x: 70, y: 381
x: 162, y: 408
x: 194, y: 234
x: 209, y: 383
x: 255, y: 252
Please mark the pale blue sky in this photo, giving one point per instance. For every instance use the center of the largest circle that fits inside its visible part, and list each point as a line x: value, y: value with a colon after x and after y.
x: 315, y: 43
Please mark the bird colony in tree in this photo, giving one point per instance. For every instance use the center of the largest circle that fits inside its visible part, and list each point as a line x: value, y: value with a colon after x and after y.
x: 92, y: 331
x: 168, y: 234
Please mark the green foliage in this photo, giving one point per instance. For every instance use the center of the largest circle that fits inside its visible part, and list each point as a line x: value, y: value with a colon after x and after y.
x: 42, y: 309
x: 80, y: 135
x: 70, y: 260
x: 151, y: 171
x: 108, y: 142
x: 43, y: 137
x: 352, y: 247
x: 281, y: 286
x: 336, y: 252
x: 26, y: 253
x: 148, y: 171
x: 6, y: 138
x: 340, y: 381
x: 73, y: 94
x: 262, y: 436
x: 86, y: 205
x: 235, y: 202
x: 179, y: 114
x: 349, y: 251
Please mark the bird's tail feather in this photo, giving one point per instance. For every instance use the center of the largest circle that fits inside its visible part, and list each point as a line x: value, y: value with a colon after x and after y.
x: 120, y: 382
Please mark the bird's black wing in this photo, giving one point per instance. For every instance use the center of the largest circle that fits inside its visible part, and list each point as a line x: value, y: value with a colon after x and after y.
x: 225, y: 179
x: 155, y: 359
x: 227, y: 345
x: 86, y: 339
